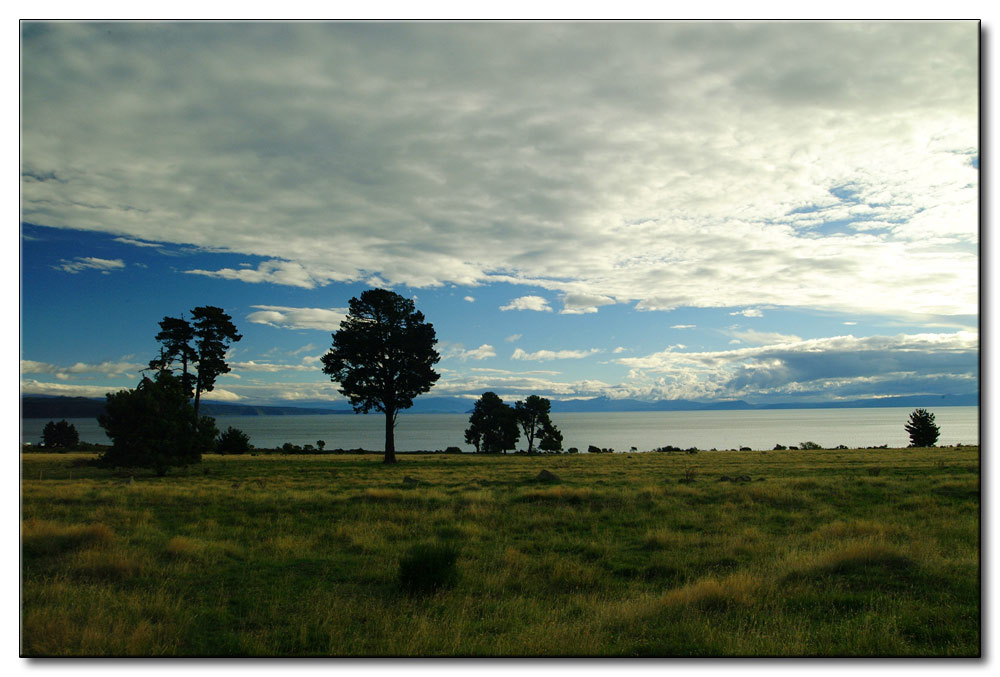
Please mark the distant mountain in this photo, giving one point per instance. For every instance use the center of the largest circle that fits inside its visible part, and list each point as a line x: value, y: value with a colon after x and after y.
x: 81, y: 407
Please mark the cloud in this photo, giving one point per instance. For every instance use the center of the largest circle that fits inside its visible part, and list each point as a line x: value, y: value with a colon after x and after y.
x: 470, y: 299
x: 275, y: 272
x: 822, y: 368
x: 136, y: 243
x: 765, y: 337
x: 619, y: 350
x: 528, y: 303
x: 325, y: 319
x: 578, y: 304
x: 748, y: 312
x: 269, y: 367
x: 107, y: 368
x: 682, y: 326
x: 513, y: 338
x: 591, y: 162
x: 541, y: 355
x: 458, y: 352
x: 82, y: 263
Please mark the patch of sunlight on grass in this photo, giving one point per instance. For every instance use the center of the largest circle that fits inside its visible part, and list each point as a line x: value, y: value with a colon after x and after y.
x: 739, y: 588
x: 188, y: 547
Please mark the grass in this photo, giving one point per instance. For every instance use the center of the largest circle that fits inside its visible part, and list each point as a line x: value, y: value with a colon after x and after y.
x: 628, y: 555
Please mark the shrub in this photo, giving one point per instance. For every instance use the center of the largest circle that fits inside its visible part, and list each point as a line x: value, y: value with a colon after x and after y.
x: 809, y: 445
x: 572, y: 450
x: 453, y: 450
x: 779, y: 447
x: 593, y: 450
x: 428, y: 567
x: 233, y: 441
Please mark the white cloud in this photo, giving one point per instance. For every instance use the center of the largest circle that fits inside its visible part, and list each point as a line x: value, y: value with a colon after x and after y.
x: 528, y: 303
x: 326, y: 319
x: 541, y: 355
x: 827, y: 367
x: 275, y: 272
x: 513, y: 338
x: 749, y: 312
x: 269, y: 367
x: 591, y: 167
x: 619, y: 350
x: 765, y: 337
x: 458, y: 352
x: 578, y: 304
x: 682, y: 326
x: 221, y: 395
x: 136, y: 243
x: 82, y: 263
x: 470, y: 299
x: 107, y: 368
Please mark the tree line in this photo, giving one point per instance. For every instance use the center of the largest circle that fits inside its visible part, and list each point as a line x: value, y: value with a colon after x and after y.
x: 382, y: 357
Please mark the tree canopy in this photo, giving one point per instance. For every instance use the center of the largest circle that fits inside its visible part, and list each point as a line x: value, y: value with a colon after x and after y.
x: 533, y: 417
x: 492, y: 425
x: 61, y: 435
x: 200, y: 346
x: 382, y: 357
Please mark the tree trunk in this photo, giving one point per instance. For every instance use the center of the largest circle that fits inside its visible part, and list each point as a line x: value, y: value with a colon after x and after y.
x: 390, y: 441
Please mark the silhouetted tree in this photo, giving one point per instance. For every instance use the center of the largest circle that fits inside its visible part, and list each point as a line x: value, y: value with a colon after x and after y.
x: 213, y: 332
x: 61, y: 435
x: 533, y: 417
x: 200, y: 346
x: 382, y: 357
x: 492, y: 425
x: 153, y: 426
x: 922, y: 429
x: 551, y: 439
x: 175, y: 337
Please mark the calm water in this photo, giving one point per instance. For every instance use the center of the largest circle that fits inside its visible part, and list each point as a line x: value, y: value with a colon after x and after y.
x: 620, y: 431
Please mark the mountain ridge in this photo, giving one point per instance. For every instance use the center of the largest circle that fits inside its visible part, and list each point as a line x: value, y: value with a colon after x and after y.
x: 81, y: 407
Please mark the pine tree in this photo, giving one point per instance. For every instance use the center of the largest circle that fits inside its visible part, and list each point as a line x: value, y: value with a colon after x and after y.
x: 922, y: 429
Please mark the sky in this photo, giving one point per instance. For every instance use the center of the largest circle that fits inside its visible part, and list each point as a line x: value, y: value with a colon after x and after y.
x: 773, y: 212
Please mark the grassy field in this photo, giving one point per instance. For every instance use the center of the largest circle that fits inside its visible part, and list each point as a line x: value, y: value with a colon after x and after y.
x: 829, y: 553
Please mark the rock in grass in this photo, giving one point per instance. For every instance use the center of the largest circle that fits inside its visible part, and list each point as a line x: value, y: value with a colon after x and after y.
x: 725, y: 478
x: 546, y: 476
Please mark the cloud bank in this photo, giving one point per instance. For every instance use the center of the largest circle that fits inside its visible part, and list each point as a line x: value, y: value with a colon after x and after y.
x: 820, y: 165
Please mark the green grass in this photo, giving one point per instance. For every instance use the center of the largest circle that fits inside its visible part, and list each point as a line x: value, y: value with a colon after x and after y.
x: 300, y: 556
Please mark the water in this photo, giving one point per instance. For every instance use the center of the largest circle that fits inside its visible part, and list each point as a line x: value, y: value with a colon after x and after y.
x: 620, y: 430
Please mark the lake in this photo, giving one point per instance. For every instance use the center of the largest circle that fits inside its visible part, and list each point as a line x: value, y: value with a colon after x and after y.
x: 760, y: 429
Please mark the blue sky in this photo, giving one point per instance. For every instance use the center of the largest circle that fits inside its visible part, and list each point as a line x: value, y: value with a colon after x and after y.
x: 703, y: 211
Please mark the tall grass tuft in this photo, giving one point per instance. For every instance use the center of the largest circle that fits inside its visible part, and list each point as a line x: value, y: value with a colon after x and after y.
x: 43, y: 538
x: 428, y: 567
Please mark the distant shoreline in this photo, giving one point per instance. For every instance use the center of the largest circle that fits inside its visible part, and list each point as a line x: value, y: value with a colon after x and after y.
x: 80, y: 407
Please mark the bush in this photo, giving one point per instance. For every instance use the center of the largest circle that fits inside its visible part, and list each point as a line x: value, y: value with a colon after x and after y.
x: 453, y: 450
x: 61, y: 435
x: 809, y: 445
x: 572, y: 450
x: 593, y: 450
x: 233, y: 441
x: 779, y: 447
x: 428, y: 567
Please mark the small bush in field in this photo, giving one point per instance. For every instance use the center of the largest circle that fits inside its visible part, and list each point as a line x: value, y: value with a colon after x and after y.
x: 428, y: 567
